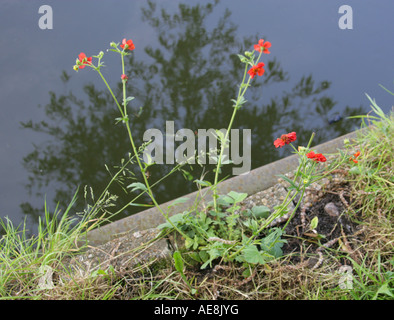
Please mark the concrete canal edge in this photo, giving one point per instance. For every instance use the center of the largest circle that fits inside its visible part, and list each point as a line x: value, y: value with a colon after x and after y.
x: 256, y: 180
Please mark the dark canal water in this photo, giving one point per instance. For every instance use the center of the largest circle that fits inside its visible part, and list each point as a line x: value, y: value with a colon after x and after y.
x: 57, y: 129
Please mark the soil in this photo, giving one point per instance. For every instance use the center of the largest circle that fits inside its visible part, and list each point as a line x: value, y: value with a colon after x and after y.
x: 329, y: 229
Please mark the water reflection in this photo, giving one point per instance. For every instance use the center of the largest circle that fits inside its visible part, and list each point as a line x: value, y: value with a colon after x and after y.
x: 190, y: 77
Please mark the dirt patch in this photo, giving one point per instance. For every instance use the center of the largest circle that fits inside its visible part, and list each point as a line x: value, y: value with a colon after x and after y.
x: 334, y: 226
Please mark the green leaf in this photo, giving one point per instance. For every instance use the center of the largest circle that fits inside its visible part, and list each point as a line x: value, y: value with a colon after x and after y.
x: 225, y: 200
x: 220, y: 136
x: 189, y: 242
x: 141, y: 205
x: 203, y: 183
x: 251, y: 224
x: 386, y: 89
x: 232, y: 197
x: 314, y: 223
x: 376, y: 108
x: 238, y: 197
x: 355, y: 170
x: 196, y: 243
x: 384, y: 289
x: 219, y: 214
x: 242, y: 58
x: 204, y: 256
x: 252, y: 255
x: 241, y: 100
x: 195, y: 256
x: 174, y: 219
x: 187, y: 175
x: 137, y: 186
x: 292, y: 185
x: 150, y: 161
x: 273, y: 243
x: 178, y: 201
x: 213, y: 254
x: 129, y: 99
x: 205, y: 264
x: 178, y: 261
x: 261, y: 211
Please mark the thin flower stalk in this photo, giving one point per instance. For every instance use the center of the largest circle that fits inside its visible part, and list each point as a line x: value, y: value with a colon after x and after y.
x: 80, y: 64
x: 238, y: 104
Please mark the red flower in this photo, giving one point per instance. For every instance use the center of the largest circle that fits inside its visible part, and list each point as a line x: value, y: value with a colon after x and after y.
x: 285, y: 139
x: 124, y: 77
x: 83, y: 60
x: 318, y: 157
x: 261, y: 46
x: 259, y: 70
x: 355, y: 156
x: 127, y: 44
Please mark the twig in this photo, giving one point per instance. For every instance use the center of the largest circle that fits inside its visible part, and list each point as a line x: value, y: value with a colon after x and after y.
x: 303, y: 218
x: 319, y: 262
x: 222, y: 240
x: 241, y: 283
x: 328, y: 244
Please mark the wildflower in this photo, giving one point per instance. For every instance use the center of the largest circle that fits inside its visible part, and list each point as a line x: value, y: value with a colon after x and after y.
x: 285, y: 139
x: 124, y: 77
x: 259, y: 70
x: 261, y: 46
x: 82, y: 60
x: 317, y: 157
x: 127, y: 44
x: 355, y: 156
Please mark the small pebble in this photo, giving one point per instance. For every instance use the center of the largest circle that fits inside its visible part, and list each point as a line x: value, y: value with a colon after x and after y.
x: 331, y: 209
x: 137, y: 234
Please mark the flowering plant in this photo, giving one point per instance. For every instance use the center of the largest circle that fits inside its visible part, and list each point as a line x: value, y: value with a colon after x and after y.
x: 213, y: 233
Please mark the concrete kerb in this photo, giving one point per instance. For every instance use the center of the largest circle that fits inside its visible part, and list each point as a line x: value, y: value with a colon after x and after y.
x: 256, y: 180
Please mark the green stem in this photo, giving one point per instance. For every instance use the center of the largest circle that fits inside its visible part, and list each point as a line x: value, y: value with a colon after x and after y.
x: 222, y: 147
x: 109, y: 88
x: 126, y: 121
x: 241, y: 92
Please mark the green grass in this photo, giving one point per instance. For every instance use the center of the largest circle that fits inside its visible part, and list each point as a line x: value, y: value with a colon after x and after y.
x: 27, y: 263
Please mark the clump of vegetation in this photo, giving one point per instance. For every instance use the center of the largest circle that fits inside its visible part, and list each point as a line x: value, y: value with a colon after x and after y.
x: 33, y: 268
